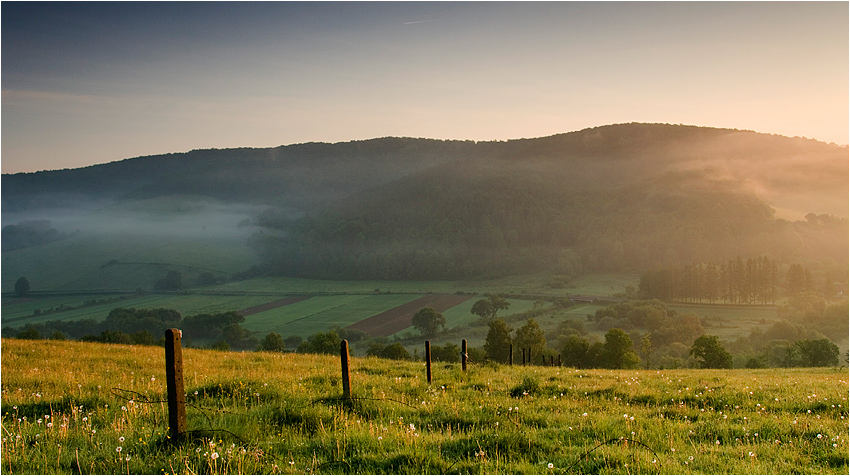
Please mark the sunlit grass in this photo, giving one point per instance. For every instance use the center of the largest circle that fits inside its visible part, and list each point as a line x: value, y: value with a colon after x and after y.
x: 72, y: 407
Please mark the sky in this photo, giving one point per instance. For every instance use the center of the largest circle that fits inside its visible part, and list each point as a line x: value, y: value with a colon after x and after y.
x: 88, y: 83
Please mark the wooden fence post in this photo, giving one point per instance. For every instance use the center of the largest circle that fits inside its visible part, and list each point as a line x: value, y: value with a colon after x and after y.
x: 523, y: 356
x: 551, y: 361
x: 463, y: 355
x: 510, y: 354
x: 559, y: 360
x: 346, y: 375
x: 428, y: 359
x: 174, y: 383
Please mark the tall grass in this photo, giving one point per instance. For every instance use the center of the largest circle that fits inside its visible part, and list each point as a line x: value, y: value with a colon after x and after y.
x: 71, y: 407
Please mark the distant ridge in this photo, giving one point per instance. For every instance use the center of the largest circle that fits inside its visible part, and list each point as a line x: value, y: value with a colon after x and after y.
x: 615, y: 197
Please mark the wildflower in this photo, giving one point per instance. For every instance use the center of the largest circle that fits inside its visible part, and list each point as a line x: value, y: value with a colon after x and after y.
x: 118, y: 449
x: 820, y: 436
x: 50, y: 425
x: 752, y: 455
x: 127, y: 458
x: 214, y: 456
x: 121, y: 439
x: 717, y: 442
x: 551, y: 465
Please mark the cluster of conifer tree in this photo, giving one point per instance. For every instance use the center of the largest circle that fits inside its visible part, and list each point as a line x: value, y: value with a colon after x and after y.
x: 755, y: 281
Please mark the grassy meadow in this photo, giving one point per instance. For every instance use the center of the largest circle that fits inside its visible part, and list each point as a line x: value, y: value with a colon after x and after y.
x: 70, y: 407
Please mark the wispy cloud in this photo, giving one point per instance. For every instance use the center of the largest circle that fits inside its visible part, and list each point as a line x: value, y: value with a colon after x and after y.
x: 415, y: 22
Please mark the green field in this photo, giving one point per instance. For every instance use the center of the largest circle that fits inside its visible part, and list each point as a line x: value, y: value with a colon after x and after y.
x: 15, y: 313
x: 321, y: 313
x: 70, y: 407
x: 460, y: 318
x: 730, y: 322
x: 82, y: 262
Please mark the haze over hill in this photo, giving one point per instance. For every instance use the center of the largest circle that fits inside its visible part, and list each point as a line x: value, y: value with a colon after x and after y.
x: 619, y: 197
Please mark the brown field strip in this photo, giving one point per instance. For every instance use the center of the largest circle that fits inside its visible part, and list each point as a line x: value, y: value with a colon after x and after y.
x: 398, y: 318
x: 273, y: 305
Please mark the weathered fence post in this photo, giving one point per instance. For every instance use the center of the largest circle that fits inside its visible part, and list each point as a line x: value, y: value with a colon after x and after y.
x: 346, y: 375
x: 510, y: 354
x: 551, y: 361
x: 428, y: 359
x: 463, y: 355
x: 174, y: 383
x: 523, y: 356
x: 559, y: 360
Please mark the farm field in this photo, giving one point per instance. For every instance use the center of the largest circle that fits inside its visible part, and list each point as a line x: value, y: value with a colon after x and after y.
x: 321, y: 313
x: 189, y: 304
x: 460, y: 317
x: 121, y: 261
x: 730, y: 322
x: 71, y: 407
x: 603, y: 285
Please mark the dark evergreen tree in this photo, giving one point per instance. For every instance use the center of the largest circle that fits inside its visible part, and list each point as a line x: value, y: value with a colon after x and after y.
x: 22, y: 287
x: 498, y: 342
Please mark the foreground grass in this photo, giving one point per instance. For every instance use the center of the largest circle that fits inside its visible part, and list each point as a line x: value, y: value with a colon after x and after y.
x: 71, y: 407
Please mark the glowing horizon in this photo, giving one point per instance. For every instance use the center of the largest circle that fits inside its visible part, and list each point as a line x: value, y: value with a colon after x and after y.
x: 84, y: 84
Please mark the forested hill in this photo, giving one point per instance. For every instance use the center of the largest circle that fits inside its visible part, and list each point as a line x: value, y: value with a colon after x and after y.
x: 300, y: 177
x: 620, y: 197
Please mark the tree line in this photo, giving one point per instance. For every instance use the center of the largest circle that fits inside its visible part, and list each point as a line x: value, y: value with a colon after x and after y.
x: 754, y: 281
x: 146, y: 327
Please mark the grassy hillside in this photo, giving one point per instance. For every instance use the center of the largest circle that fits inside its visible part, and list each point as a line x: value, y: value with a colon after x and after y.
x: 87, y: 408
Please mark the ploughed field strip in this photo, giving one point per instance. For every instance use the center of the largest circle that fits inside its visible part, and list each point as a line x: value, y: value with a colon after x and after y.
x: 399, y: 318
x: 272, y: 305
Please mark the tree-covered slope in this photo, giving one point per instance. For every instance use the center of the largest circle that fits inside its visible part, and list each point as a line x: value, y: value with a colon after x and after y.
x: 620, y: 197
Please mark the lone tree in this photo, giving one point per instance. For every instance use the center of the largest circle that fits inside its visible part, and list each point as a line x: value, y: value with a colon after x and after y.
x: 617, y: 351
x: 531, y: 337
x: 428, y: 321
x: 488, y: 307
x: 577, y: 353
x: 22, y: 287
x: 817, y: 353
x: 497, y: 345
x: 173, y: 281
x: 273, y: 342
x: 711, y: 353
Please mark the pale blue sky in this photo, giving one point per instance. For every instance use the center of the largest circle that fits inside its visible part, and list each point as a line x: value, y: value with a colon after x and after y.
x: 87, y: 83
